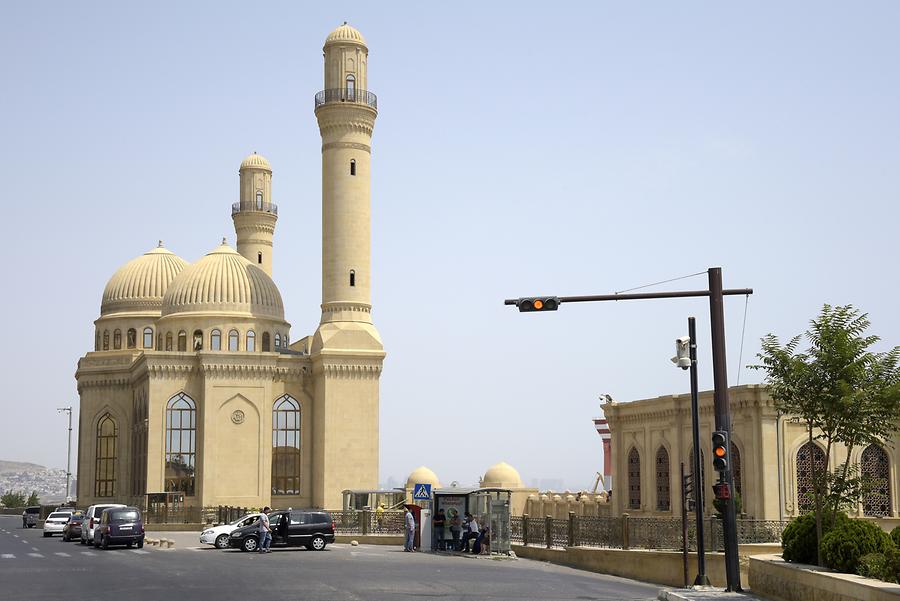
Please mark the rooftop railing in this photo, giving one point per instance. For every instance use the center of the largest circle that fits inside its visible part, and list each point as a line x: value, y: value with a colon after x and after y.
x: 254, y: 206
x: 350, y: 95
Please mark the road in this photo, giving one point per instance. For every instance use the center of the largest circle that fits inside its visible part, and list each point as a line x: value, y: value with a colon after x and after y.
x: 34, y: 568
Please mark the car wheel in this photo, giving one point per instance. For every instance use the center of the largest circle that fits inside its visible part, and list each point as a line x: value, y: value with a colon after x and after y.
x: 104, y: 542
x: 250, y: 544
x: 222, y: 541
x: 317, y: 543
x: 65, y: 537
x: 96, y: 544
x: 140, y: 544
x: 128, y: 544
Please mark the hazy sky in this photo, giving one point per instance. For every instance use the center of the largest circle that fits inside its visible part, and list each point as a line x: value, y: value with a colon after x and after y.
x: 520, y: 148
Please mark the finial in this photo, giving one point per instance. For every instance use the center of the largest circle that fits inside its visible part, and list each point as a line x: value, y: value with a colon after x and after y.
x: 224, y: 240
x: 345, y: 22
x: 160, y: 244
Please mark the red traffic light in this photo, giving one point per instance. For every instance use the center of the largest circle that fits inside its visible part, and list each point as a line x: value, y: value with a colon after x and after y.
x: 538, y: 303
x: 720, y: 450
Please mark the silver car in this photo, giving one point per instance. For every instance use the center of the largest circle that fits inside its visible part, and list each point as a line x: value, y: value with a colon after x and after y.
x: 92, y: 520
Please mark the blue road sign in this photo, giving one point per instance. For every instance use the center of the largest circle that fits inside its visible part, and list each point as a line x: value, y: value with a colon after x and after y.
x: 422, y: 492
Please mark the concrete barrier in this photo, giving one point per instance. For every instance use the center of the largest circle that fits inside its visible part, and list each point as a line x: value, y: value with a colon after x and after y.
x: 370, y: 539
x: 779, y: 580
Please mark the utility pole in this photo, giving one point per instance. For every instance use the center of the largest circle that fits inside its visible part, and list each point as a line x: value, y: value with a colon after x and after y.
x: 69, y: 454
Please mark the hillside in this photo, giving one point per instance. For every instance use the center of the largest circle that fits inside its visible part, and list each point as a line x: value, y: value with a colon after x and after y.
x: 15, y: 467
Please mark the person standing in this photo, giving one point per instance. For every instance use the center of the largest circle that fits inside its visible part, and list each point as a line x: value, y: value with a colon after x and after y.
x: 454, y: 529
x: 437, y: 542
x: 379, y: 517
x: 265, y: 532
x: 410, y: 531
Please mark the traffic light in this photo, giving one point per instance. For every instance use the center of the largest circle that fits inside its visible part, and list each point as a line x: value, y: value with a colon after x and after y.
x: 538, y: 303
x: 720, y: 450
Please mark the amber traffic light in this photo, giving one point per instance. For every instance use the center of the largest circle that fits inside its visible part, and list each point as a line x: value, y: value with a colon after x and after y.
x: 538, y: 303
x: 720, y: 450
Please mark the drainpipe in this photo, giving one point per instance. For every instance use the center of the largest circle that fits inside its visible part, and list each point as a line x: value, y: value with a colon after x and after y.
x: 779, y: 445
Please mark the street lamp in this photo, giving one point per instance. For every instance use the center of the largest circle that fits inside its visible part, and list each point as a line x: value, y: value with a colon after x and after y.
x: 69, y: 454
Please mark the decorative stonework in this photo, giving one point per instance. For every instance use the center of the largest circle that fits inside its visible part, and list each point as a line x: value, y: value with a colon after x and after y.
x: 350, y: 145
x: 237, y: 416
x: 351, y: 371
x: 338, y: 307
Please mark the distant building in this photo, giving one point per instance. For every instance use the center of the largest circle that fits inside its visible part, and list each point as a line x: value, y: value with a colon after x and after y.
x: 194, y: 387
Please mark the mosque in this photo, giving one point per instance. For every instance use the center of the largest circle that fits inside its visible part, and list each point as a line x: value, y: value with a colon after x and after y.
x: 196, y: 388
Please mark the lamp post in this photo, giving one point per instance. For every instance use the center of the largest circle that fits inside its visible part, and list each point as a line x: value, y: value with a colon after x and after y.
x: 69, y: 453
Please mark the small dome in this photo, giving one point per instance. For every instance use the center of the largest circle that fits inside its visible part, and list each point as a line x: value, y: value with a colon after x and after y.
x: 345, y: 33
x: 224, y: 282
x: 423, y: 475
x: 255, y: 161
x: 140, y: 284
x: 501, y: 475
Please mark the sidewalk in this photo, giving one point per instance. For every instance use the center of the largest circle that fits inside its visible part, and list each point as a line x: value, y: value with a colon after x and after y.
x: 704, y: 593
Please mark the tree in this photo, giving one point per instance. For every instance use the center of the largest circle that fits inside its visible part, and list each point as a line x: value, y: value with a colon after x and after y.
x: 13, y: 499
x: 34, y: 499
x: 842, y: 392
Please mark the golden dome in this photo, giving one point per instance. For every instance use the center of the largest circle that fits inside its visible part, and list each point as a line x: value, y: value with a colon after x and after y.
x: 501, y: 475
x: 256, y: 161
x: 140, y: 284
x: 345, y: 33
x: 224, y: 282
x: 423, y: 475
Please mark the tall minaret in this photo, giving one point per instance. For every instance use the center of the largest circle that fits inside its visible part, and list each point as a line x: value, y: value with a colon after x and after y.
x: 346, y: 350
x: 255, y: 215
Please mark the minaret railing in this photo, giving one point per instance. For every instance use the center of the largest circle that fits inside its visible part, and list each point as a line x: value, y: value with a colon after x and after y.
x: 351, y: 95
x: 248, y: 206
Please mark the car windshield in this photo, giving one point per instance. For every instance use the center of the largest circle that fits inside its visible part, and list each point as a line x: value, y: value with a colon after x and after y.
x: 244, y: 521
x: 58, y: 516
x: 32, y: 510
x: 124, y: 515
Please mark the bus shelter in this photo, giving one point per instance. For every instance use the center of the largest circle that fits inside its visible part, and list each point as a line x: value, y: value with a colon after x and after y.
x: 489, y: 506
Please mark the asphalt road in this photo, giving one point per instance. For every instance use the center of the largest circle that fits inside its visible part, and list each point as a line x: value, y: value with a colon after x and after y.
x: 35, y: 568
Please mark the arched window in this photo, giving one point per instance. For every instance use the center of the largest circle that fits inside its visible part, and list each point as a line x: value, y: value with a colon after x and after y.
x: 690, y: 468
x: 259, y: 258
x: 875, y: 468
x: 181, y: 450
x: 634, y: 479
x: 352, y: 166
x: 663, y: 496
x: 169, y: 341
x: 233, y: 340
x: 105, y: 472
x: 251, y: 341
x: 351, y: 87
x: 117, y: 339
x: 148, y: 337
x: 810, y: 463
x: 159, y: 346
x: 353, y: 277
x: 105, y: 340
x: 182, y: 341
x: 215, y: 341
x: 198, y: 340
x: 132, y: 338
x: 259, y: 200
x: 736, y: 467
x: 284, y: 341
x: 286, y: 446
x: 277, y: 340
x: 266, y: 340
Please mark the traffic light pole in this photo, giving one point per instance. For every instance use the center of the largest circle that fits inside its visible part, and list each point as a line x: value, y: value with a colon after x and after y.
x: 699, y: 493
x: 720, y: 381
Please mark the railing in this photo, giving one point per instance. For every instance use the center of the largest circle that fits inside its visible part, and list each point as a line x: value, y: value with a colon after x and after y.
x: 347, y: 95
x: 635, y: 533
x: 182, y: 515
x: 250, y: 205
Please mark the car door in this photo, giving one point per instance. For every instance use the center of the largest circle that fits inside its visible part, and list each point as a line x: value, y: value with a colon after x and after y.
x: 297, y: 534
x: 278, y: 523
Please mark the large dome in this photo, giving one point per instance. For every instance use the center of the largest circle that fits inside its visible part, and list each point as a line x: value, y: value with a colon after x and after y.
x: 501, y: 475
x: 345, y: 33
x: 423, y: 475
x: 139, y: 285
x: 224, y: 282
x: 255, y: 161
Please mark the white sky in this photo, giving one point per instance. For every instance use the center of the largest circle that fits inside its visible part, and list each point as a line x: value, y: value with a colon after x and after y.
x: 520, y: 148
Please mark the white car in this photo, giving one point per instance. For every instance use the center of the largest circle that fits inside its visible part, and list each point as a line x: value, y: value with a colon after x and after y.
x: 219, y: 535
x: 55, y: 523
x: 91, y: 519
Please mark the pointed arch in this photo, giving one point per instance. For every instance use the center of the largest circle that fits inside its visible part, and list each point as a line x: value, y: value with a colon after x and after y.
x: 106, y: 455
x: 634, y: 479
x: 181, y: 443
x: 810, y: 461
x: 233, y: 338
x: 876, y: 468
x: 736, y: 471
x: 286, y: 446
x: 266, y: 342
x: 251, y: 342
x: 663, y: 481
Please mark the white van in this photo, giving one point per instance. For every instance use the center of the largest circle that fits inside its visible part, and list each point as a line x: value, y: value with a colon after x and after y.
x: 91, y: 520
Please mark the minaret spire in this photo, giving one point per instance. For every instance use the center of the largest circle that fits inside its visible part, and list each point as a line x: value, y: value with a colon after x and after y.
x: 255, y: 214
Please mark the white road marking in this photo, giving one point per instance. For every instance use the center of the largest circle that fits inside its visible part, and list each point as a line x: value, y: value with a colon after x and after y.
x: 38, y: 555
x: 8, y: 556
x: 88, y: 553
x: 140, y: 551
x: 35, y: 549
x: 25, y: 541
x: 16, y: 535
x: 63, y: 554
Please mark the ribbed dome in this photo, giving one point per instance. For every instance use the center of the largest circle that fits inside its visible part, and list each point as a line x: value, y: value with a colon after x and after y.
x: 140, y: 284
x: 502, y: 475
x: 223, y: 281
x: 423, y: 475
x: 345, y: 33
x: 255, y: 161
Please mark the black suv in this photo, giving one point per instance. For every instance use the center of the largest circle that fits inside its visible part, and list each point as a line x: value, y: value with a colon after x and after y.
x: 310, y: 528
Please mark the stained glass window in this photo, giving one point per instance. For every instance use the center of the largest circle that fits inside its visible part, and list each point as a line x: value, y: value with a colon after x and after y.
x: 634, y: 479
x: 663, y: 497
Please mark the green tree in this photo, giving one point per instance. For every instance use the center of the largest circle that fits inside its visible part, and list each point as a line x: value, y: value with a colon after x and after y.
x: 34, y: 499
x: 842, y: 392
x: 13, y: 499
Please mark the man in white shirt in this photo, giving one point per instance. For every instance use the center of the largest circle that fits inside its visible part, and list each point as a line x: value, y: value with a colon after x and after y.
x: 410, y: 531
x: 265, y: 533
x: 471, y: 532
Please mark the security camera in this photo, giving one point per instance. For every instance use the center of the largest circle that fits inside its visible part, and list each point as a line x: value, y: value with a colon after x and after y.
x: 682, y: 356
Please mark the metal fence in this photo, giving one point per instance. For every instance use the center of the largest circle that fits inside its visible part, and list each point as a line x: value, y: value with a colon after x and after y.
x: 635, y: 532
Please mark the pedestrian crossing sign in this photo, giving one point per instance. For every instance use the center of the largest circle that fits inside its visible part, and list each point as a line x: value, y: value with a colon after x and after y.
x: 422, y: 492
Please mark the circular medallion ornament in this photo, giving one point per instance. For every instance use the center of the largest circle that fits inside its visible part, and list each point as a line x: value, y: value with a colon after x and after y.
x: 237, y: 416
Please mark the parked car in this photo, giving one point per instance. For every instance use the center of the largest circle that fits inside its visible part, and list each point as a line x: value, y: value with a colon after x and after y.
x: 72, y: 528
x: 219, y: 535
x: 119, y: 526
x: 90, y: 520
x: 30, y: 516
x: 311, y: 528
x: 55, y: 523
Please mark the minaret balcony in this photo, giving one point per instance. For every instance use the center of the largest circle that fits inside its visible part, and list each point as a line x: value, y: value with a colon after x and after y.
x: 254, y: 206
x: 347, y: 95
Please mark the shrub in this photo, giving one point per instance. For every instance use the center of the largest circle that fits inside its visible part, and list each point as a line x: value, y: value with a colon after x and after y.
x: 895, y: 534
x: 799, y: 537
x: 872, y: 565
x: 847, y: 542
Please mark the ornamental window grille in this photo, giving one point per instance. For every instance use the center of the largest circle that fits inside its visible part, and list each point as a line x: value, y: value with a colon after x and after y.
x: 286, y: 446
x: 181, y: 449
x: 182, y: 341
x: 736, y: 467
x: 215, y: 341
x: 117, y: 339
x: 233, y: 340
x: 634, y: 479
x: 663, y: 486
x: 251, y: 341
x: 148, y: 337
x: 875, y: 467
x: 810, y: 461
x: 105, y: 473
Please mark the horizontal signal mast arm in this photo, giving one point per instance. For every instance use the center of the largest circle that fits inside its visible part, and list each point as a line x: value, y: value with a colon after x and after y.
x: 640, y: 296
